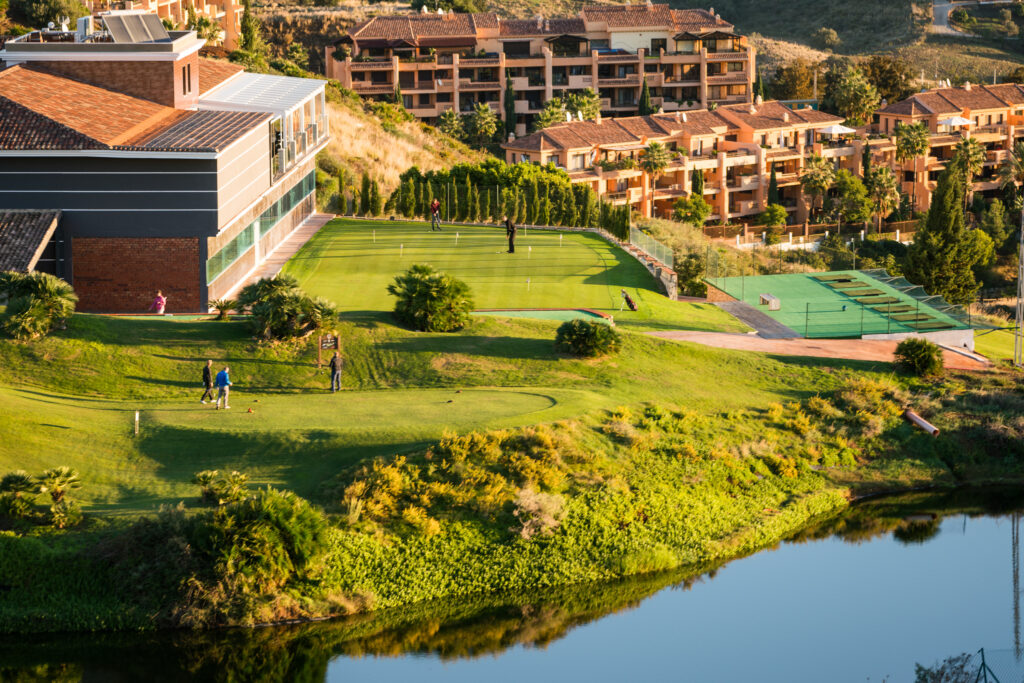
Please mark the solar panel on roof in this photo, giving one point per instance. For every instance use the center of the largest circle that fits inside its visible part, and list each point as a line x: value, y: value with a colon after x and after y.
x: 136, y: 28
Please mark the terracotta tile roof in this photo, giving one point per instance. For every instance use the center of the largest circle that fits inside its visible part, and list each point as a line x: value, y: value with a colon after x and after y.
x: 956, y: 100
x: 773, y: 115
x: 23, y: 237
x: 698, y: 20
x: 213, y: 72
x: 22, y: 128
x: 547, y: 27
x: 628, y: 16
x: 1010, y: 93
x: 103, y: 115
x: 413, y: 26
x: 205, y: 131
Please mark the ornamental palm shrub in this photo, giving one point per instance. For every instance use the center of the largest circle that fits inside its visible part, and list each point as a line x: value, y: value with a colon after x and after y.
x: 430, y: 301
x: 584, y: 338
x: 36, y: 302
x: 223, y: 307
x: 919, y: 357
x: 280, y: 310
x: 58, y: 482
x: 17, y: 494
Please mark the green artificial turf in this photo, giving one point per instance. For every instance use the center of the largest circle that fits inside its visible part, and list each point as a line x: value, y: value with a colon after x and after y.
x: 351, y: 262
x: 994, y: 344
x: 824, y: 309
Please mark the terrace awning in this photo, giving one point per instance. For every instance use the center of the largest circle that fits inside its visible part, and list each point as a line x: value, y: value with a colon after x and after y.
x: 718, y: 35
x: 955, y: 121
x: 836, y: 129
x: 566, y: 38
x: 686, y: 35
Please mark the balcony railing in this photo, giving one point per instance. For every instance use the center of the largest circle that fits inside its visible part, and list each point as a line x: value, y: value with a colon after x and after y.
x: 376, y: 65
x: 617, y: 58
x: 372, y: 88
x: 611, y: 82
x: 479, y: 61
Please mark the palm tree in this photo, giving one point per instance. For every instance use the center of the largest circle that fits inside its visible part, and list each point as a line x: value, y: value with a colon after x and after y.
x: 264, y: 288
x: 36, y: 302
x: 13, y: 488
x: 654, y: 162
x: 58, y: 482
x: 884, y: 192
x: 817, y: 176
x: 1011, y: 172
x: 968, y: 160
x: 911, y: 142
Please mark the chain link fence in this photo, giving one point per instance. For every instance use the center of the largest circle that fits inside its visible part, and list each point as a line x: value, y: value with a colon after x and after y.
x: 652, y: 247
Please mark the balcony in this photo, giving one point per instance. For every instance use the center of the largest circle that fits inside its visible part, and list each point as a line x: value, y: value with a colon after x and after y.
x: 520, y: 82
x: 579, y: 82
x: 745, y: 182
x: 745, y: 207
x: 466, y: 85
x: 606, y: 59
x: 479, y: 61
x: 782, y: 152
x: 632, y: 79
x: 731, y: 77
x: 787, y: 179
x: 727, y: 55
x: 606, y: 103
x: 368, y: 88
x: 377, y: 64
x: 669, y: 191
x: 996, y: 156
x: 629, y: 196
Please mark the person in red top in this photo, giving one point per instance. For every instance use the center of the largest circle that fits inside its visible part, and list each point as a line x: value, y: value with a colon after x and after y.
x: 435, y: 215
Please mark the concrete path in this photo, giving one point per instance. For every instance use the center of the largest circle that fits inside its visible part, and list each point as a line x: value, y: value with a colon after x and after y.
x: 940, y: 20
x: 766, y: 326
x: 284, y: 251
x: 851, y: 349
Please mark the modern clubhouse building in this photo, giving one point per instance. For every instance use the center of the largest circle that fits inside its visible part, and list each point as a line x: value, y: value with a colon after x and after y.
x: 690, y: 59
x: 163, y: 170
x: 736, y: 146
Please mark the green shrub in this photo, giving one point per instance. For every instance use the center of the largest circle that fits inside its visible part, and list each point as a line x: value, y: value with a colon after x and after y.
x: 217, y: 489
x: 584, y: 338
x: 430, y: 301
x: 280, y: 310
x: 37, y: 302
x: 919, y: 357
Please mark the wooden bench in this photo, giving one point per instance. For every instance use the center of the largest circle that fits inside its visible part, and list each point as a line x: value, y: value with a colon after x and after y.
x: 771, y: 301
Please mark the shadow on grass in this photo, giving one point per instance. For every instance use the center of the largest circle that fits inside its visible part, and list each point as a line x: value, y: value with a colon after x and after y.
x: 476, y: 345
x: 300, y: 461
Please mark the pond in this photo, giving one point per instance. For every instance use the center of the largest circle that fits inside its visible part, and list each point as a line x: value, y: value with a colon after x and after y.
x: 862, y: 597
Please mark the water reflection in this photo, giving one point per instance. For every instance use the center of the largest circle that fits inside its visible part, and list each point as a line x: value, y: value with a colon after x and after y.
x: 466, y: 630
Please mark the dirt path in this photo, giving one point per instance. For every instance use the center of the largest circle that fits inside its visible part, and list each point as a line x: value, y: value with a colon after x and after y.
x: 851, y: 349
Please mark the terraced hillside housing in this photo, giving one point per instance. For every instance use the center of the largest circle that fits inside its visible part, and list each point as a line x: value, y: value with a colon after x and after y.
x: 690, y: 58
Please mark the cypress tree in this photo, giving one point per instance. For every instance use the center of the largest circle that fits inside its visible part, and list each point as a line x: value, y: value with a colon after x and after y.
x: 568, y: 211
x: 500, y: 202
x: 697, y: 183
x: 545, y: 206
x: 532, y: 201
x: 474, y: 208
x: 408, y: 198
x: 645, y: 106
x: 944, y: 253
x: 773, y: 188
x: 485, y: 205
x: 521, y: 211
x: 865, y: 163
x: 466, y: 200
x: 364, y: 196
x: 453, y: 197
x: 510, y: 107
x: 376, y: 202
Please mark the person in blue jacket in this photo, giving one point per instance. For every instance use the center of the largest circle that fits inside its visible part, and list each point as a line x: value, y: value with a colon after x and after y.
x: 223, y: 381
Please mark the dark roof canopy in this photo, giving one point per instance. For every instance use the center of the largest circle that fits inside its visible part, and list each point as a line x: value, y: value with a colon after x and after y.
x: 718, y: 35
x: 686, y: 35
x: 565, y: 37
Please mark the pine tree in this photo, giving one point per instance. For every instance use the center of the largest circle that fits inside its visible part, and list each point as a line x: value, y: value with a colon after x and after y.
x: 364, y: 196
x: 944, y: 253
x: 773, y: 188
x: 376, y: 202
x: 646, y: 108
x: 697, y: 183
x: 250, y: 39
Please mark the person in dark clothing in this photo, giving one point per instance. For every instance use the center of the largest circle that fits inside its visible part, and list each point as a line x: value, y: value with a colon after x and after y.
x: 510, y: 232
x: 336, y: 364
x: 435, y: 215
x: 207, y: 382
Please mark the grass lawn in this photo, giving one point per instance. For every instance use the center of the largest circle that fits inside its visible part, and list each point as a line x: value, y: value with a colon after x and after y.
x: 351, y: 262
x: 995, y: 344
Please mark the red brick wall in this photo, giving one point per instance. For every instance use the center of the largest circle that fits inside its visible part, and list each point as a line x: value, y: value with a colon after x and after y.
x: 158, y: 82
x: 123, y: 274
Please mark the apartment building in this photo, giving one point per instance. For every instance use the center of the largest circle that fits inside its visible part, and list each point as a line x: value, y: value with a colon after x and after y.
x: 227, y: 14
x: 689, y: 58
x: 991, y: 114
x: 733, y: 146
x: 164, y: 171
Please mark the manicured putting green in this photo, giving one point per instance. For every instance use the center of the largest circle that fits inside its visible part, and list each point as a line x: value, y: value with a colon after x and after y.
x: 351, y: 262
x: 823, y: 304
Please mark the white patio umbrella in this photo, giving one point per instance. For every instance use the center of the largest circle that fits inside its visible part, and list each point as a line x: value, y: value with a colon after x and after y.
x: 955, y: 121
x: 836, y: 129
